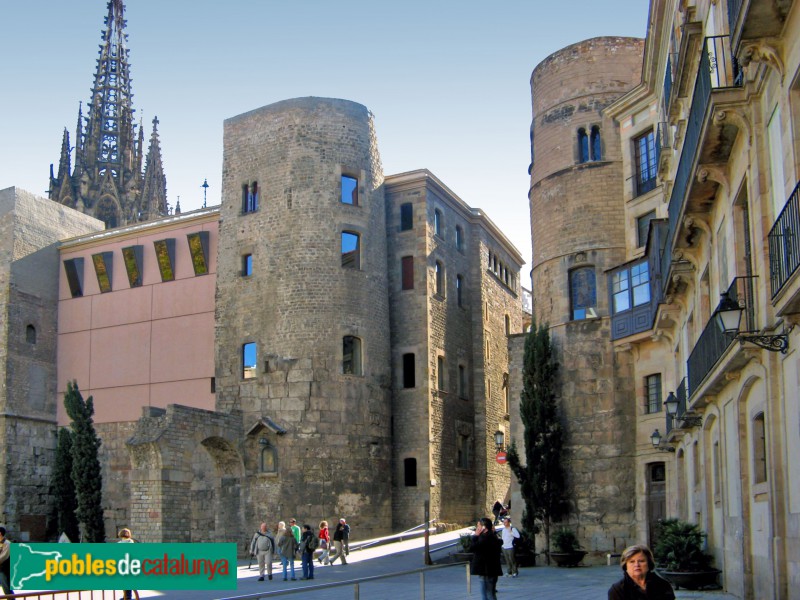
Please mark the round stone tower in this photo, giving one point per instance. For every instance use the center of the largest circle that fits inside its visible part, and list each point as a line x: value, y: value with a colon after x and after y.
x: 577, y: 225
x: 302, y: 312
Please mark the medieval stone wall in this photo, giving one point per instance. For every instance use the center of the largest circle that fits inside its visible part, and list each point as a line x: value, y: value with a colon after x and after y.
x: 577, y: 221
x: 30, y: 227
x: 301, y: 301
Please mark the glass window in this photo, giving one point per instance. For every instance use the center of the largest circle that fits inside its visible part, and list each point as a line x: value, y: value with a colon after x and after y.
x: 407, y: 265
x: 406, y: 216
x: 630, y: 287
x: 437, y: 222
x: 645, y: 162
x: 351, y: 252
x: 620, y: 284
x: 249, y: 360
x: 73, y: 267
x: 583, y: 293
x: 409, y: 375
x: 198, y: 249
x: 439, y: 269
x: 597, y: 151
x: 103, y: 268
x: 460, y: 290
x: 351, y: 355
x: 349, y: 190
x: 250, y: 197
x: 652, y: 389
x: 247, y: 265
x: 459, y: 238
x: 165, y: 256
x: 132, y: 257
x: 583, y: 146
x: 759, y: 449
x: 640, y: 281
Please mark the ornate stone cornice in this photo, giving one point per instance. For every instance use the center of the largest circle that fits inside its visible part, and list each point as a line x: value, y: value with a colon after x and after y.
x: 762, y: 51
x: 736, y: 115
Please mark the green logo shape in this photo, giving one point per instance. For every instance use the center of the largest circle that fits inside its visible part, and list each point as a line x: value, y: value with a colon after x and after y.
x: 54, y: 567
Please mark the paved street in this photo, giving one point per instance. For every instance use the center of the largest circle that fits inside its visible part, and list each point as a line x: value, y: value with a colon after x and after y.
x: 446, y: 583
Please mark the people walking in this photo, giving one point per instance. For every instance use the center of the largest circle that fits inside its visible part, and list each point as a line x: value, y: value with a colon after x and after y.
x: 345, y: 536
x: 262, y: 547
x: 486, y: 558
x: 308, y: 543
x: 324, y: 542
x: 287, y: 548
x: 509, y: 533
x: 338, y: 543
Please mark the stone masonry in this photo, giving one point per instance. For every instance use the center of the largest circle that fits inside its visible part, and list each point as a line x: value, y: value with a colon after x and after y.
x: 577, y: 221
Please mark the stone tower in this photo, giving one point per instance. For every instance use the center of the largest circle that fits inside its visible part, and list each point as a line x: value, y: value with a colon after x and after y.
x: 302, y: 319
x: 107, y: 181
x: 577, y: 225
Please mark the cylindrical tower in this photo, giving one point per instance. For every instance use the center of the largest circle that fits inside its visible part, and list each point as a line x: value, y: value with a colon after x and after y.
x: 302, y: 312
x: 577, y: 225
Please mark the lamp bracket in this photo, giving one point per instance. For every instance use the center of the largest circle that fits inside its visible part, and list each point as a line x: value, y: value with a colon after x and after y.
x: 688, y: 420
x: 665, y: 449
x: 773, y: 343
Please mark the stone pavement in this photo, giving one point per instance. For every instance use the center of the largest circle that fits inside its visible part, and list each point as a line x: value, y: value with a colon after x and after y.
x: 445, y: 583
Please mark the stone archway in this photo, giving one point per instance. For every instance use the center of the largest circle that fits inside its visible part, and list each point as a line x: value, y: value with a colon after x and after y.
x: 186, y: 476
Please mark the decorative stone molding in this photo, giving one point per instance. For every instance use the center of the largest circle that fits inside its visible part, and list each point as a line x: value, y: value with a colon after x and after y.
x: 715, y: 173
x: 762, y: 51
x: 737, y: 116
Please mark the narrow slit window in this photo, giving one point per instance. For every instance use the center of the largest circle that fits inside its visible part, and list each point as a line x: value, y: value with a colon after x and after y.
x: 439, y: 274
x: 406, y: 216
x: 410, y: 472
x: 198, y: 248
x: 249, y: 360
x: 165, y: 256
x: 103, y: 268
x: 459, y: 238
x: 132, y: 257
x: 460, y: 290
x: 407, y: 267
x: 409, y: 374
x: 73, y: 267
x: 247, y: 265
x: 438, y: 226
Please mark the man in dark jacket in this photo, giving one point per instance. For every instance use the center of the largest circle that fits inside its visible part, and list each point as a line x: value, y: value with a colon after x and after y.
x: 486, y: 558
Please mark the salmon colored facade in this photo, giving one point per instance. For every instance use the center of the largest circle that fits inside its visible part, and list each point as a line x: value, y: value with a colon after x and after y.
x: 148, y: 345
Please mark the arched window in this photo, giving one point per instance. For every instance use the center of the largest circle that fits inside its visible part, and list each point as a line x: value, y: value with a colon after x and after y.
x: 268, y: 459
x: 583, y: 146
x: 597, y: 150
x: 351, y: 356
x: 583, y: 293
x: 30, y: 334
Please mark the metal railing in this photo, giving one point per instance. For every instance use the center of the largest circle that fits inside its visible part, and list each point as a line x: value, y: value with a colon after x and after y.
x: 718, y: 69
x: 784, y: 243
x: 713, y: 342
x: 734, y: 8
x: 357, y: 583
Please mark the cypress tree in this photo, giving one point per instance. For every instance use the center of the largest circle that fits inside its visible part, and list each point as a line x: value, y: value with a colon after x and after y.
x: 63, y: 488
x: 86, y: 474
x: 542, y: 479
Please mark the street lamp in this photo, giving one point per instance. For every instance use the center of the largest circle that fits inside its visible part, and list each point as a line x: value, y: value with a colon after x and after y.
x: 499, y: 440
x: 672, y: 404
x: 729, y: 319
x: 655, y: 439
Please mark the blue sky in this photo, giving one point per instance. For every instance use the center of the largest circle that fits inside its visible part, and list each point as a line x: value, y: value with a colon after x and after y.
x: 448, y: 82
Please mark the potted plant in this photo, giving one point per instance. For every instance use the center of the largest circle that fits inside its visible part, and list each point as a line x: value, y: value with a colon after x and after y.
x: 568, y: 552
x: 680, y: 555
x: 464, y: 552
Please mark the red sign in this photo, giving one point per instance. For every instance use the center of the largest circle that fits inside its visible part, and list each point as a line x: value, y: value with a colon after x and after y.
x: 501, y: 458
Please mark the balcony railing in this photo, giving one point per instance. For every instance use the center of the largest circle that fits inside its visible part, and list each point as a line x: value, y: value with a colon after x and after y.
x: 718, y: 69
x: 784, y: 243
x: 713, y: 342
x: 734, y: 8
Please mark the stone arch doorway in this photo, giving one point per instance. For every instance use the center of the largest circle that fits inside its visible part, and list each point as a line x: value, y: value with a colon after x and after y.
x: 215, y: 503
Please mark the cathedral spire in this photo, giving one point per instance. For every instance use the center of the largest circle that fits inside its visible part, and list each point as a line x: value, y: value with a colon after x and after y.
x: 107, y: 181
x: 154, y: 190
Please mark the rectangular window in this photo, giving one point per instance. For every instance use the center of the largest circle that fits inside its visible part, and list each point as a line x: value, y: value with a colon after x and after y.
x: 409, y: 374
x: 440, y: 375
x: 407, y: 263
x: 460, y: 290
x: 462, y: 382
x: 630, y: 287
x: 249, y: 360
x: 103, y: 263
x: 198, y: 248
x: 132, y: 257
x: 759, y: 449
x: 351, y: 252
x: 459, y: 238
x: 250, y: 197
x: 583, y: 293
x: 349, y: 190
x: 640, y: 282
x: 406, y: 216
x: 437, y: 223
x: 439, y: 273
x: 165, y: 256
x: 645, y: 162
x: 73, y: 267
x: 620, y: 284
x: 642, y: 228
x: 652, y: 390
x: 247, y: 265
x: 410, y: 472
x: 351, y: 355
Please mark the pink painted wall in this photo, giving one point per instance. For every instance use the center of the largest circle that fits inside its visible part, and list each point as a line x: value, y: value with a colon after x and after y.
x: 146, y: 346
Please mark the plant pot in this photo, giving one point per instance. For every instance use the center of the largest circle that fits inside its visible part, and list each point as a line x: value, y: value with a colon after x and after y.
x: 691, y: 580
x: 568, y: 559
x: 462, y: 556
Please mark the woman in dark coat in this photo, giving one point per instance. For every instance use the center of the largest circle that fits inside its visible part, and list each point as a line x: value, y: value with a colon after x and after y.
x: 486, y: 558
x: 639, y: 581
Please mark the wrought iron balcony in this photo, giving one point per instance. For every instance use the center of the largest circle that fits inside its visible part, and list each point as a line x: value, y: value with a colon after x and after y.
x: 713, y: 342
x: 751, y: 19
x: 784, y: 243
x: 718, y: 69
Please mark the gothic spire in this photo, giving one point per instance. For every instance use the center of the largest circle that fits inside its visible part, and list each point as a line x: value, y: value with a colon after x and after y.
x: 107, y: 181
x: 154, y: 190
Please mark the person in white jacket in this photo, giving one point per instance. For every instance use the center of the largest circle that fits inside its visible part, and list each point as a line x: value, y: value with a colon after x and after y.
x: 509, y: 533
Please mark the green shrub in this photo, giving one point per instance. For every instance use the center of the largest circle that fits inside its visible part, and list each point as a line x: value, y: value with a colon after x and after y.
x: 565, y: 540
x: 680, y: 547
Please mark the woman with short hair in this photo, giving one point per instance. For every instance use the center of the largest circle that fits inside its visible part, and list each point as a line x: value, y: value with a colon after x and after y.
x: 639, y: 580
